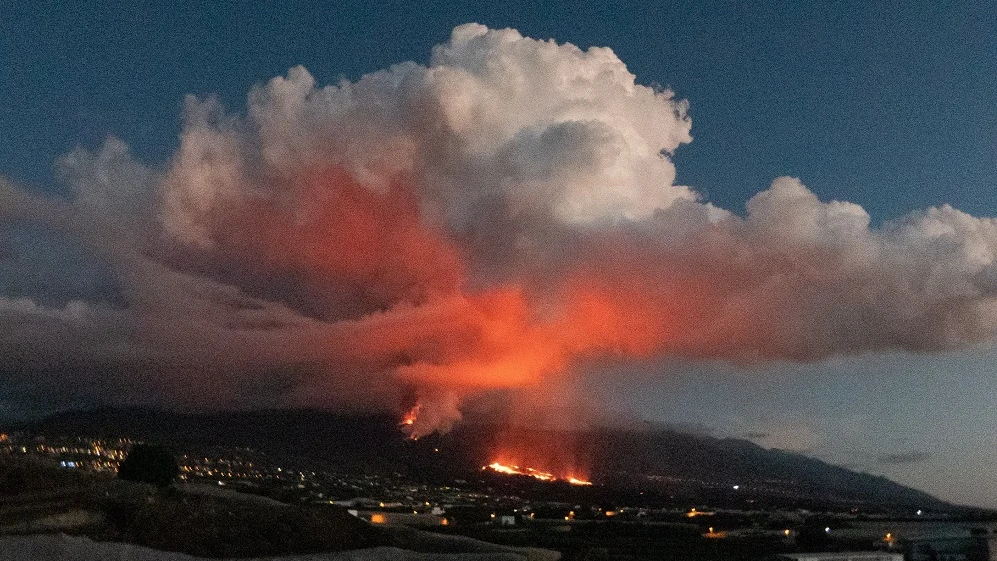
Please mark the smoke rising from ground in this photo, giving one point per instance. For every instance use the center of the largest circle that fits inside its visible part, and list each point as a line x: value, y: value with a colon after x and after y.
x: 429, y: 234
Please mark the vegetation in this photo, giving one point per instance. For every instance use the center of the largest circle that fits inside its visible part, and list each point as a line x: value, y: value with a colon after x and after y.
x: 226, y: 526
x: 148, y: 463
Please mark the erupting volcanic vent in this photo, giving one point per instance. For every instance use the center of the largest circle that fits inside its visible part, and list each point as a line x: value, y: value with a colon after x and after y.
x: 485, y: 225
x: 409, y: 419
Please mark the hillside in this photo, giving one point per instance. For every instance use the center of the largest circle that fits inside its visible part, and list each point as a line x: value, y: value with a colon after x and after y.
x: 692, y: 466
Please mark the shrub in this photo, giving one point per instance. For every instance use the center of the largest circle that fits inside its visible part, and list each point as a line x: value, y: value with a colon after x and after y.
x: 148, y: 463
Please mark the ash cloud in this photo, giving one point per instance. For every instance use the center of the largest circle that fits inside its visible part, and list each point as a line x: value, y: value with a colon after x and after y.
x: 429, y: 234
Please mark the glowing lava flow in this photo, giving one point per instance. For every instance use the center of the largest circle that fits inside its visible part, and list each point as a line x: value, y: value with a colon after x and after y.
x: 516, y: 470
x: 530, y: 472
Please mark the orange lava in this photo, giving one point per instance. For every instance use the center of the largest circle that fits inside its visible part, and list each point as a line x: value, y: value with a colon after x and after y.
x: 534, y: 473
x: 410, y: 417
x: 407, y: 424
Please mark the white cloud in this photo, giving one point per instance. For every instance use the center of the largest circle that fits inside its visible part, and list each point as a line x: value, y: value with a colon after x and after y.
x: 489, y: 220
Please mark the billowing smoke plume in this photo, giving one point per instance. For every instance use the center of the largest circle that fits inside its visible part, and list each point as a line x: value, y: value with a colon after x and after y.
x: 493, y: 220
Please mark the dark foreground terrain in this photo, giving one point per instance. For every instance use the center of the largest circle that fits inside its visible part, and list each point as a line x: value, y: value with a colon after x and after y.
x: 38, y: 497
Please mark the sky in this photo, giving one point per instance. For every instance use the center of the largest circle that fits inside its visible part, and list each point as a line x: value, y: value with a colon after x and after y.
x: 514, y: 190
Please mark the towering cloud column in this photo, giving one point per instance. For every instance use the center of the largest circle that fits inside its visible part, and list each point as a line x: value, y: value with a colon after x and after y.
x: 492, y: 220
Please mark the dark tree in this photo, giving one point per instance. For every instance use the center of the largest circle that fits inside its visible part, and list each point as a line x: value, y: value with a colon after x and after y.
x: 149, y: 463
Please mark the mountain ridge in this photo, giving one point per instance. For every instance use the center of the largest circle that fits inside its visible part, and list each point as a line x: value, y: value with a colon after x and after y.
x: 677, y: 463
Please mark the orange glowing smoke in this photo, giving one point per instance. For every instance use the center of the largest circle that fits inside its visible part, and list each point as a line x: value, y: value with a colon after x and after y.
x: 405, y: 237
x: 534, y: 473
x: 506, y: 337
x: 397, y: 292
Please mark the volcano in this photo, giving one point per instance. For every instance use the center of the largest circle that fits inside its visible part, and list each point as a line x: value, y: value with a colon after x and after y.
x: 667, y: 462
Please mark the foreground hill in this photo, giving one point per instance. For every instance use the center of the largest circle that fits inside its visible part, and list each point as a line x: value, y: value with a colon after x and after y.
x: 61, y: 547
x: 691, y: 467
x: 108, y: 518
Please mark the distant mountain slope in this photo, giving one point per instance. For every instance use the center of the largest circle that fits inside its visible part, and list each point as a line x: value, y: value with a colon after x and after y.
x: 751, y: 467
x: 694, y: 465
x: 699, y: 465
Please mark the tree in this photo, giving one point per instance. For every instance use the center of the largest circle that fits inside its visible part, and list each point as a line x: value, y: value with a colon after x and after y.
x: 149, y: 463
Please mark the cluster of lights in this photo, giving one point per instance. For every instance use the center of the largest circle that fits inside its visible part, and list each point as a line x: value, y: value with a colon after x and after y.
x: 78, y: 453
x: 715, y: 534
x: 889, y: 538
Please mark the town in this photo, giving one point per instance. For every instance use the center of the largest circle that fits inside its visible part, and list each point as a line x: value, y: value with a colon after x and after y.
x: 522, y: 506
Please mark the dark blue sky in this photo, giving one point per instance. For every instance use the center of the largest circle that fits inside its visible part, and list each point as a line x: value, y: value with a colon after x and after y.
x: 889, y: 107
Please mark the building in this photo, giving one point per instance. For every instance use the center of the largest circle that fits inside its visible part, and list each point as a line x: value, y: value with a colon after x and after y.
x: 402, y: 518
x: 845, y: 556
